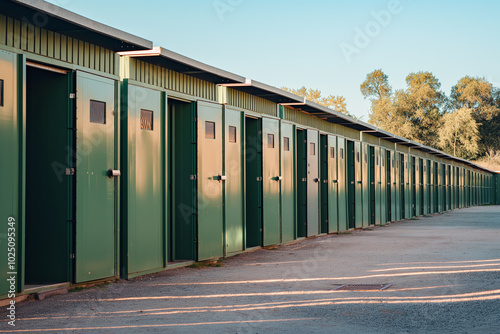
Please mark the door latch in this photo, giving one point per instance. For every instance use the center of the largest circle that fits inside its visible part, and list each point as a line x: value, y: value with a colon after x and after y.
x: 221, y: 178
x: 113, y: 172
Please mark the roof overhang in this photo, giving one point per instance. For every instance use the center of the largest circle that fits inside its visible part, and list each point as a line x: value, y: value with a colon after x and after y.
x: 48, y: 16
x: 268, y: 92
x: 182, y: 64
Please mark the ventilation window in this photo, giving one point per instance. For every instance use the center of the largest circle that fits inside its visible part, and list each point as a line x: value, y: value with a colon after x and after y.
x: 378, y: 160
x: 270, y: 140
x: 286, y: 143
x: 210, y: 130
x: 342, y: 153
x: 147, y: 120
x: 366, y: 157
x: 312, y: 148
x: 1, y: 93
x: 357, y: 156
x: 332, y: 152
x: 97, y: 112
x: 232, y: 134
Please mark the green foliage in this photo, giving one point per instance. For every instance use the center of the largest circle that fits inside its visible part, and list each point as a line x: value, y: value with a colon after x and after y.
x: 459, y: 134
x: 483, y: 100
x: 376, y: 86
x: 336, y: 103
x: 413, y: 113
x: 465, y: 124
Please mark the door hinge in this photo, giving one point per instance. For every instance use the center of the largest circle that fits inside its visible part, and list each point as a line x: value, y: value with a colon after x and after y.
x: 192, y: 177
x: 72, y: 95
x: 259, y: 178
x: 70, y: 171
x: 72, y: 256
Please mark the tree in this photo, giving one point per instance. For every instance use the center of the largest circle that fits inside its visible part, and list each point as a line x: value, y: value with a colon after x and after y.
x: 459, y: 134
x: 413, y: 113
x: 376, y: 86
x: 483, y: 100
x: 336, y: 103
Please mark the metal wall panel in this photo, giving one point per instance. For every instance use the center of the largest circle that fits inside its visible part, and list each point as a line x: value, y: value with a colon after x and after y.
x: 342, y: 184
x: 383, y: 187
x: 36, y: 40
x: 271, y: 181
x: 10, y: 174
x: 333, y: 185
x: 288, y: 225
x: 145, y: 182
x: 210, y: 183
x: 358, y: 178
x: 233, y: 185
x: 251, y: 102
x: 95, y: 205
x: 313, y: 180
x: 365, y: 184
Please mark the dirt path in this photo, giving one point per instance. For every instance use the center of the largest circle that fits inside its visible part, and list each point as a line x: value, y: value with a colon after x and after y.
x: 444, y: 271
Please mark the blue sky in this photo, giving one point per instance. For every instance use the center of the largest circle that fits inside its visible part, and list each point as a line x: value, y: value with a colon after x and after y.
x: 325, y: 44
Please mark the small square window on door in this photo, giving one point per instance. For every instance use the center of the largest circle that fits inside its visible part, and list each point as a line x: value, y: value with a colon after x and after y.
x: 312, y: 148
x: 147, y: 120
x: 1, y: 93
x: 332, y: 152
x: 342, y: 153
x: 210, y: 130
x: 286, y: 143
x: 232, y: 134
x: 97, y: 112
x: 270, y: 140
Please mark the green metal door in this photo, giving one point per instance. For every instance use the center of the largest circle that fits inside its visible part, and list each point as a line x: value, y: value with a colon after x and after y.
x: 313, y: 180
x: 333, y: 181
x: 11, y: 171
x: 351, y: 185
x: 253, y: 182
x: 389, y: 187
x: 383, y: 185
x: 365, y: 184
x: 407, y: 200
x: 378, y: 186
x: 324, y: 184
x: 371, y: 185
x: 210, y: 181
x: 233, y: 191
x: 271, y: 181
x: 143, y: 180
x: 182, y: 179
x: 394, y: 187
x: 358, y: 179
x: 342, y: 184
x: 96, y: 203
x: 288, y: 232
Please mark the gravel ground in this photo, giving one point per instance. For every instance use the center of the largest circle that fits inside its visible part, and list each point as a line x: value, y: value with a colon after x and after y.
x: 444, y: 270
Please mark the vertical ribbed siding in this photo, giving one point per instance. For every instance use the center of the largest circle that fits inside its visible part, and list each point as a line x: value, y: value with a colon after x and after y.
x: 250, y: 102
x: 161, y: 77
x: 29, y: 38
x: 308, y: 120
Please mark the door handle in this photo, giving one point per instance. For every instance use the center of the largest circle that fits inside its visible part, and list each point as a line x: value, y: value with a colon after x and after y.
x: 113, y: 172
x: 316, y: 180
x: 221, y: 178
x: 335, y: 181
x: 278, y: 178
